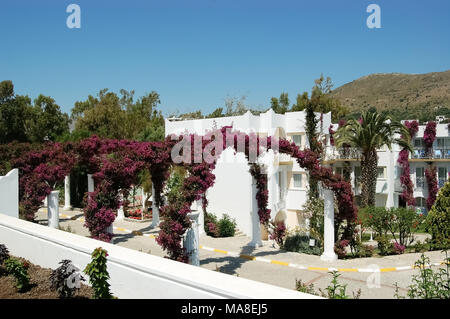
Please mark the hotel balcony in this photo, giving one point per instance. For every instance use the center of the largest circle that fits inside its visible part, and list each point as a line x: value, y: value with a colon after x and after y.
x: 333, y: 154
x: 435, y: 154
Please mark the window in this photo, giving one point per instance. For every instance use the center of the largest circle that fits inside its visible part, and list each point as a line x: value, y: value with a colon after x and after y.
x: 420, y: 180
x: 442, y: 174
x: 297, y: 139
x: 421, y: 204
x: 418, y: 142
x: 381, y: 172
x: 298, y: 178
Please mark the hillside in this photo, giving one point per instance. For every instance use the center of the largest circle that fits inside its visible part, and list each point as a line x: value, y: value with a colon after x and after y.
x: 413, y: 94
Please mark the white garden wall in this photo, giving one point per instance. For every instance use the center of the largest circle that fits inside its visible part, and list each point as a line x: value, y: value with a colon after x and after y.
x: 133, y: 274
x: 231, y: 193
x: 9, y: 193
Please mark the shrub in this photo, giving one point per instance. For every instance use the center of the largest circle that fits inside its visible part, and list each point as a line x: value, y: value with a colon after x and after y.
x: 302, y: 287
x: 340, y: 248
x: 210, y: 225
x: 300, y: 243
x: 438, y: 219
x: 429, y: 284
x: 65, y: 279
x: 20, y: 271
x: 98, y: 274
x: 336, y: 290
x: 278, y: 232
x: 227, y: 226
x: 377, y: 218
x: 4, y: 253
x: 398, y: 248
x: 384, y: 245
x: 404, y: 223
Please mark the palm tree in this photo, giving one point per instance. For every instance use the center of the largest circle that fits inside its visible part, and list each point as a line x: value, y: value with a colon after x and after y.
x: 371, y: 132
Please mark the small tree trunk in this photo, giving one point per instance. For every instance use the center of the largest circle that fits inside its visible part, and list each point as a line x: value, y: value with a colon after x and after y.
x: 369, y: 164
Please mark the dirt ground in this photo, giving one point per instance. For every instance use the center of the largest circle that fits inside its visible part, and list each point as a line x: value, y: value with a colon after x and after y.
x: 39, y: 285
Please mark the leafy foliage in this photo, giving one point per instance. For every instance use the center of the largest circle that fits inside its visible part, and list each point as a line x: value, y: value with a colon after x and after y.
x: 438, y: 219
x: 20, y: 271
x: 429, y: 284
x: 61, y: 279
x: 4, y: 253
x: 98, y: 274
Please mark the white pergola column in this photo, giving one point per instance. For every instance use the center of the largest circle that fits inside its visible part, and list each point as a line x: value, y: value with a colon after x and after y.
x: 328, y: 226
x: 256, y: 226
x: 53, y: 209
x: 391, y: 181
x: 120, y: 212
x: 191, y: 241
x: 67, y: 205
x: 90, y: 183
x: 155, y: 210
x: 143, y: 198
x: 197, y: 206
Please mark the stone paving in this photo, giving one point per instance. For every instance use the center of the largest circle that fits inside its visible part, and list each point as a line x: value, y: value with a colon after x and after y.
x: 272, y: 273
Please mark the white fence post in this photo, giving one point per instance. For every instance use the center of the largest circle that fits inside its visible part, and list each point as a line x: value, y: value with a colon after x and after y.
x: 190, y: 241
x: 53, y: 209
x: 67, y: 205
x: 120, y: 212
x: 256, y: 225
x: 328, y: 226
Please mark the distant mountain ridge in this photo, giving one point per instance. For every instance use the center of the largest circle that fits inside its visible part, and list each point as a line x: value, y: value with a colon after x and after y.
x: 406, y: 93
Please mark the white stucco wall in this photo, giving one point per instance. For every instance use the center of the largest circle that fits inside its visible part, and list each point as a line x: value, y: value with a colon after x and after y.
x: 231, y: 193
x: 9, y: 193
x: 133, y: 274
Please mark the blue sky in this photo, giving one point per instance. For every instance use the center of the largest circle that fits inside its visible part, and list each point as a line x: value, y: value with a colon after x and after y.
x: 196, y: 52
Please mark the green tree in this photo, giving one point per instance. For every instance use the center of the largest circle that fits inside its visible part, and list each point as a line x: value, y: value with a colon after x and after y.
x: 216, y: 113
x: 373, y: 131
x: 280, y: 105
x: 14, y: 112
x: 438, y: 219
x: 47, y: 121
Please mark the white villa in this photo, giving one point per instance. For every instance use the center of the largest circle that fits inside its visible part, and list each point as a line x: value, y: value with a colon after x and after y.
x: 288, y: 182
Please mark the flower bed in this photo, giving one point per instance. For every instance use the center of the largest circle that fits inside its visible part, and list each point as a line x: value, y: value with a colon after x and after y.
x: 39, y: 287
x: 137, y: 214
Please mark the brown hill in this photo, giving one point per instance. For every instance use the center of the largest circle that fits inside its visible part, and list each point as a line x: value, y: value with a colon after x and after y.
x: 408, y: 93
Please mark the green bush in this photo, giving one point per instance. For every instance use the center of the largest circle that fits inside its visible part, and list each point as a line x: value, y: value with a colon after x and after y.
x: 300, y: 243
x: 384, y: 245
x: 429, y: 284
x: 438, y: 219
x: 20, y: 271
x: 227, y: 226
x: 98, y: 274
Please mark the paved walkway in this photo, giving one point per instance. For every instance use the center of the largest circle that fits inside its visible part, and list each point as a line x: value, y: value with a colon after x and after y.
x: 269, y: 264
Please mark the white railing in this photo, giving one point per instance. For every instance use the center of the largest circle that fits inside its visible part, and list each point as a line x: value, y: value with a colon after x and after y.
x: 343, y: 153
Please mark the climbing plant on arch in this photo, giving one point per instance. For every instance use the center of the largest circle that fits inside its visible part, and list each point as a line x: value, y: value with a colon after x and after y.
x: 116, y: 164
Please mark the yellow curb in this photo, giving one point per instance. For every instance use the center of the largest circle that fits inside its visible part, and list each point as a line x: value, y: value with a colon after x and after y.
x: 137, y: 233
x: 282, y: 263
x: 221, y: 251
x: 121, y: 229
x: 348, y: 269
x: 388, y: 269
x: 318, y: 268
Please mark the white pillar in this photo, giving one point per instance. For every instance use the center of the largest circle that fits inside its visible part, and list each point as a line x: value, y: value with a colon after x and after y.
x: 90, y: 183
x: 190, y: 240
x: 155, y: 210
x: 120, y: 213
x: 143, y: 198
x: 53, y: 209
x: 67, y: 205
x: 328, y: 227
x: 256, y: 225
x: 201, y: 218
x: 391, y: 181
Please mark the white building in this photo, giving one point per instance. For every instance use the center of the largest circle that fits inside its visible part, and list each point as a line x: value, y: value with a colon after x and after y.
x: 288, y: 182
